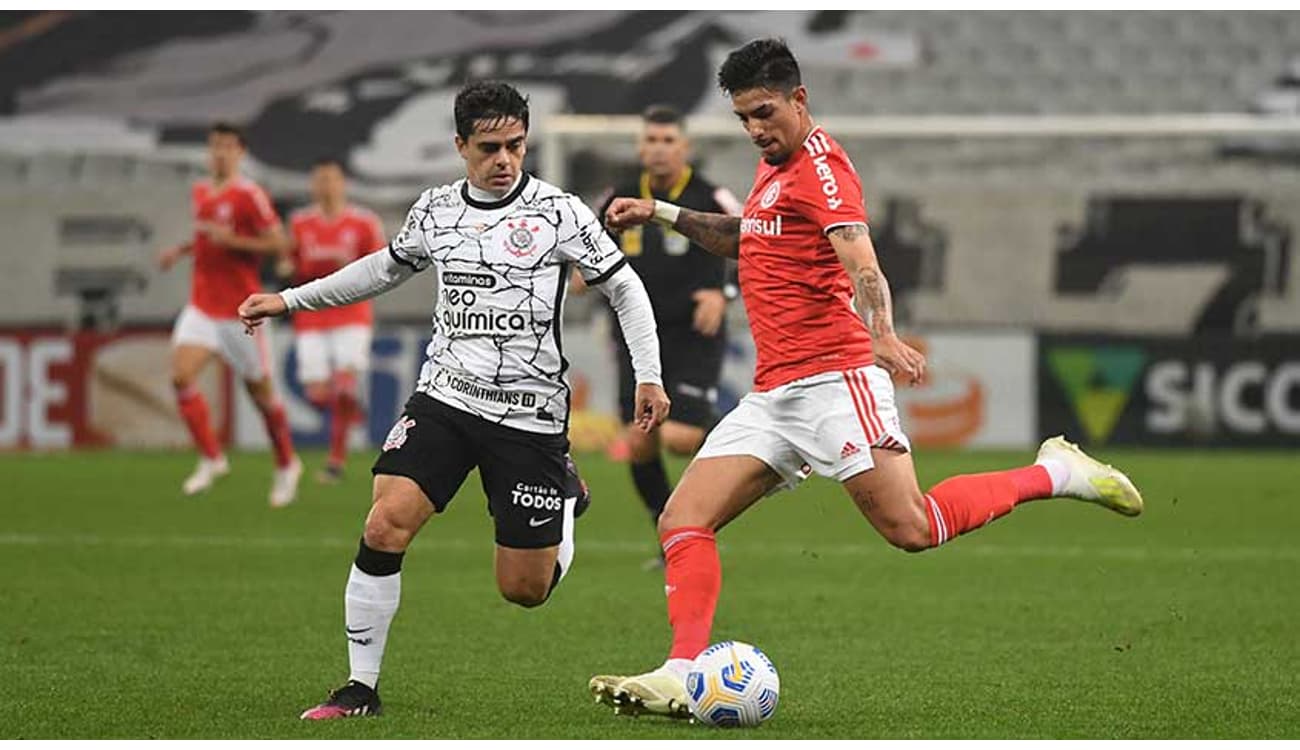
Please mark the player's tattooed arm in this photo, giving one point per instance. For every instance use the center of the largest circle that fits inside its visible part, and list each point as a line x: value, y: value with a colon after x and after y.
x: 852, y: 243
x: 717, y: 233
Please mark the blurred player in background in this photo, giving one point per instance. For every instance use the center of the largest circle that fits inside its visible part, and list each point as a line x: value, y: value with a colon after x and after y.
x: 492, y: 392
x: 687, y: 286
x: 333, y: 345
x: 235, y: 229
x: 821, y: 315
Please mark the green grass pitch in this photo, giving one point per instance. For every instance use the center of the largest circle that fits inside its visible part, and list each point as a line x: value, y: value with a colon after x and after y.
x: 129, y: 611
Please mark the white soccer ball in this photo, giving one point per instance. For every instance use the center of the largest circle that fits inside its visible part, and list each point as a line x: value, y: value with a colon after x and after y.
x: 732, y: 684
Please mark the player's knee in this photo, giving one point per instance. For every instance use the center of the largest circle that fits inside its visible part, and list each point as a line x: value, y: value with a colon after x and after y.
x: 526, y: 592
x: 386, y: 532
x: 684, y: 443
x: 319, y: 395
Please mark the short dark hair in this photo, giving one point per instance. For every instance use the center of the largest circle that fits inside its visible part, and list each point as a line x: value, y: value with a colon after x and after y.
x: 222, y: 127
x: 328, y: 161
x: 763, y: 63
x: 664, y: 114
x: 491, y: 101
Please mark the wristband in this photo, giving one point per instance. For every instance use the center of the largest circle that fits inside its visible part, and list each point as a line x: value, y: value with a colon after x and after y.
x: 666, y: 213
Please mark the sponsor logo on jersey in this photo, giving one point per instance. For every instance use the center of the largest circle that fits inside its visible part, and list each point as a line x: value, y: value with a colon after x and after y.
x: 770, y: 195
x: 830, y: 188
x: 397, y: 436
x: 466, y: 387
x: 760, y: 226
x: 483, y: 321
x: 521, y: 241
x: 475, y: 280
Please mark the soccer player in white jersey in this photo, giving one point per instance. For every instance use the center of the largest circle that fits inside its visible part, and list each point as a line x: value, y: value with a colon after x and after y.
x: 820, y: 311
x: 492, y: 392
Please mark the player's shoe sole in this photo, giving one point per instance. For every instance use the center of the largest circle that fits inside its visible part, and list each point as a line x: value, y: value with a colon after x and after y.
x: 659, y: 693
x: 1091, y: 480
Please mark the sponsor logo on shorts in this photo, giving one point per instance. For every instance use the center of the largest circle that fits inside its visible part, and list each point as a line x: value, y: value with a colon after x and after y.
x: 849, y: 449
x: 534, y: 522
x: 536, y: 497
x: 397, y: 436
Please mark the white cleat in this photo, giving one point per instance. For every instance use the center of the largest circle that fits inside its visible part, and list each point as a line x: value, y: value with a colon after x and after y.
x: 284, y: 485
x: 205, y: 475
x: 661, y: 692
x: 1091, y: 480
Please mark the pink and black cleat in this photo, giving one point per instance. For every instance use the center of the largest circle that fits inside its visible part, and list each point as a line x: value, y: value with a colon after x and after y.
x: 353, y: 699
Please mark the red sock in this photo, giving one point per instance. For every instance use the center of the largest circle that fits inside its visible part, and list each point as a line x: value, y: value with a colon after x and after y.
x: 194, y: 410
x: 277, y: 427
x: 692, y: 580
x: 344, y: 415
x: 958, y: 504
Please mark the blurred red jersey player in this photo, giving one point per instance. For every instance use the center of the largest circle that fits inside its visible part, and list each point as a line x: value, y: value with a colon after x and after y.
x: 235, y: 228
x: 333, y: 344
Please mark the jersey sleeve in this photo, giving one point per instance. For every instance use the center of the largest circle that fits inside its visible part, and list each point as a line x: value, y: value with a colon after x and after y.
x: 829, y: 193
x: 408, y: 246
x: 261, y: 214
x: 585, y: 243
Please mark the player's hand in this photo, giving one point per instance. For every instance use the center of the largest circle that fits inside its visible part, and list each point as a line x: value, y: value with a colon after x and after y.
x: 710, y: 306
x: 629, y: 212
x: 651, y: 406
x: 168, y: 257
x: 259, y: 307
x: 899, y: 358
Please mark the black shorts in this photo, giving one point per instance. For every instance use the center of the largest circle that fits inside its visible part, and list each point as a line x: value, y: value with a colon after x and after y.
x: 692, y: 366
x: 527, y: 477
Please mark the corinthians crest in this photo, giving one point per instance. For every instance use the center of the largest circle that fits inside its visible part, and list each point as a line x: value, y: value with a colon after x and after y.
x: 521, y: 241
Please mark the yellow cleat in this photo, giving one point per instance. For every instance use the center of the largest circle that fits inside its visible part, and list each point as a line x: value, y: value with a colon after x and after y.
x: 661, y: 692
x: 1091, y: 480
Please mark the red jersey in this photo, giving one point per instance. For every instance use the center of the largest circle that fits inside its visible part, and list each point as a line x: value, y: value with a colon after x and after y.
x: 797, y: 294
x: 223, y: 278
x: 323, y: 245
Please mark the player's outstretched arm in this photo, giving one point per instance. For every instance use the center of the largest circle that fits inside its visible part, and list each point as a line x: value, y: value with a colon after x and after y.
x: 717, y: 233
x: 852, y: 243
x: 636, y: 318
x: 359, y: 280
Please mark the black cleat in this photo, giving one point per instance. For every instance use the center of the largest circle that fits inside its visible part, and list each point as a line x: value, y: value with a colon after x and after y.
x: 353, y: 699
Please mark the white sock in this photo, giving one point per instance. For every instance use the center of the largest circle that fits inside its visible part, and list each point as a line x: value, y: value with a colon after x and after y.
x: 1058, y: 471
x: 369, y: 604
x: 677, y: 666
x: 565, y: 558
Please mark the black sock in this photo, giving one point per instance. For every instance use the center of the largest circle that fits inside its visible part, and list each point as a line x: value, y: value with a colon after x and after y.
x: 652, y: 484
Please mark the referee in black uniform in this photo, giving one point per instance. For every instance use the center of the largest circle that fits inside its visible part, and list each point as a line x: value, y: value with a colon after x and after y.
x: 689, y: 289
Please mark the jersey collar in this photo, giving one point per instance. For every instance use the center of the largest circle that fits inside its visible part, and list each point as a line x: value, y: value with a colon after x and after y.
x: 491, y: 205
x: 674, y: 192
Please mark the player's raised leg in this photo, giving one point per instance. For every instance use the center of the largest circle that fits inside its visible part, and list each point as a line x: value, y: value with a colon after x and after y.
x: 713, y: 491
x: 374, y: 589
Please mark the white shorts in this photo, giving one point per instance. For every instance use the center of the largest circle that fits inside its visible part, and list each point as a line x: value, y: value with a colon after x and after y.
x: 248, y: 356
x: 325, y: 350
x: 825, y: 423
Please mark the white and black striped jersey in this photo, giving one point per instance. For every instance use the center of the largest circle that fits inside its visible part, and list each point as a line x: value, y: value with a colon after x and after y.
x: 502, y: 269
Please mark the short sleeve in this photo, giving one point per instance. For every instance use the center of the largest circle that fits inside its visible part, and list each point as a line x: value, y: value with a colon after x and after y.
x: 828, y: 192
x: 261, y: 213
x: 584, y: 242
x: 408, y: 246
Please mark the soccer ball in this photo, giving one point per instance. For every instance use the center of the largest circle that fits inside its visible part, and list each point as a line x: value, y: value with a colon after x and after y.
x: 732, y: 684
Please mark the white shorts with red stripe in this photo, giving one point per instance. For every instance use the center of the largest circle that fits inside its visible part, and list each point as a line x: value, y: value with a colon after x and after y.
x: 323, y: 351
x: 248, y: 356
x: 825, y: 423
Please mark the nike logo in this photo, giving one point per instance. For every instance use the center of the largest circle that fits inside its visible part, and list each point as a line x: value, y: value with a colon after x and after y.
x: 352, y: 631
x: 535, y: 523
x: 361, y: 641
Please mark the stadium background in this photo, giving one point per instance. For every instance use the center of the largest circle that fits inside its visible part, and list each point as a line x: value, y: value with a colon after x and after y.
x: 1088, y: 219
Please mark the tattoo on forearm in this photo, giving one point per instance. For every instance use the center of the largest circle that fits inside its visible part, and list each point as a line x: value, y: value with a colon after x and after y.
x: 717, y: 233
x: 875, y: 304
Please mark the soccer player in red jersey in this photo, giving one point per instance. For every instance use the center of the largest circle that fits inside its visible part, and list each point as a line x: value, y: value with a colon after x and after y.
x: 333, y: 345
x: 235, y: 227
x: 820, y: 310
